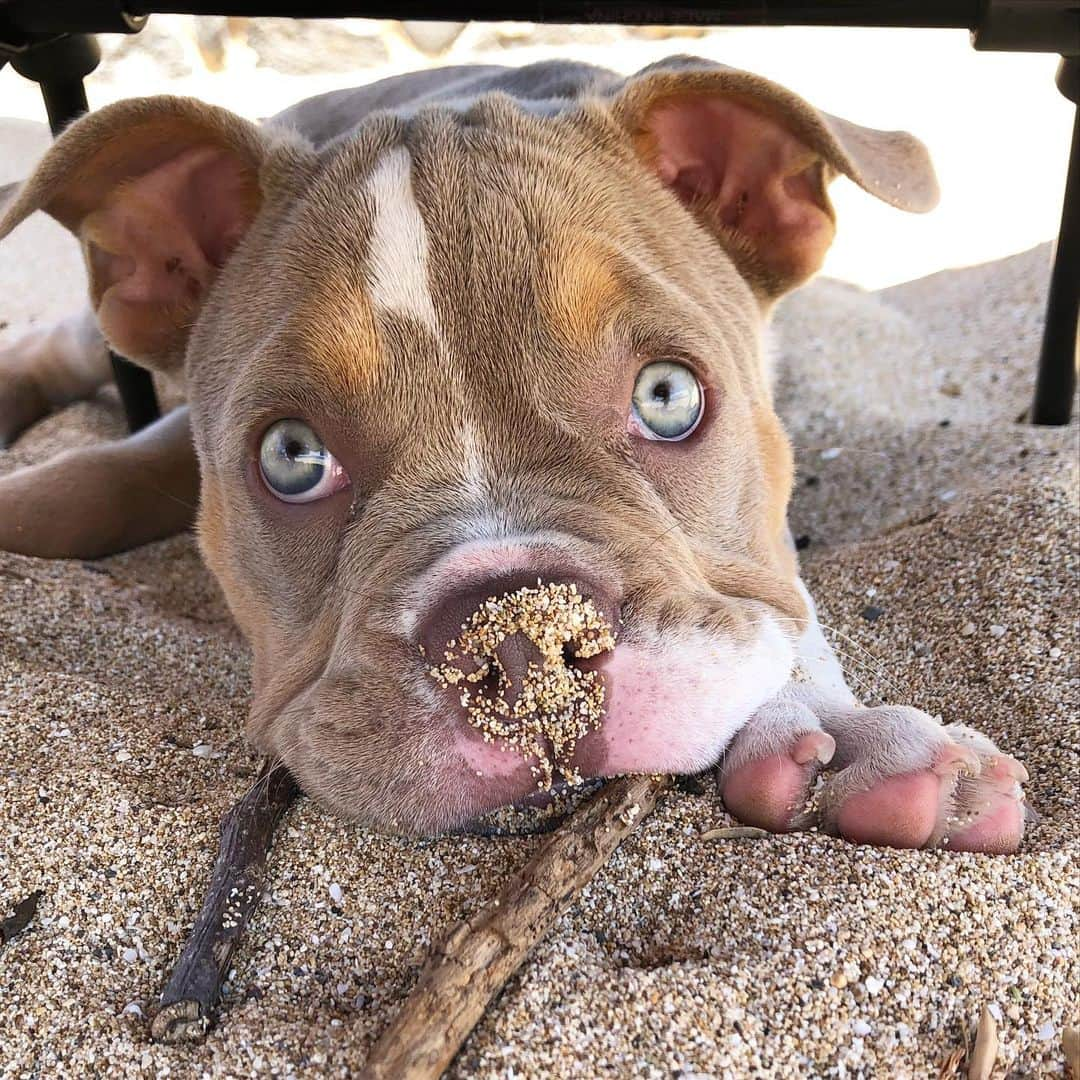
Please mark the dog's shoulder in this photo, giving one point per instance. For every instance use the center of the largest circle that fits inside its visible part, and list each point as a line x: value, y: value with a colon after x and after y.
x: 546, y: 86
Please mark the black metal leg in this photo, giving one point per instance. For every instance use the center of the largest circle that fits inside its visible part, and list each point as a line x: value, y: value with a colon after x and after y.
x: 1055, y: 384
x: 60, y: 67
x: 137, y: 393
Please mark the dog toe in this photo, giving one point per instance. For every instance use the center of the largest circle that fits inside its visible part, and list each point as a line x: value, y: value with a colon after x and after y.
x: 771, y: 791
x: 899, y: 811
x: 963, y: 801
x: 996, y: 828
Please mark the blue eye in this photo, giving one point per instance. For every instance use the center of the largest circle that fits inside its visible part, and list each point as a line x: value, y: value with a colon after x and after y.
x: 296, y: 464
x: 667, y: 401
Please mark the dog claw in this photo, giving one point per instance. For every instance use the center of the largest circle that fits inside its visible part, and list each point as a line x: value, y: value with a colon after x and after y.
x: 813, y: 746
x: 1014, y: 768
x: 956, y: 760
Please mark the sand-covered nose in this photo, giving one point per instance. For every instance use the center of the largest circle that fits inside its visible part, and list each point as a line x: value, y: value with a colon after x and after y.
x: 514, y: 662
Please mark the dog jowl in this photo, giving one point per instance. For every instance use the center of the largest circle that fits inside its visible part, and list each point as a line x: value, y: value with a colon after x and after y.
x: 458, y: 333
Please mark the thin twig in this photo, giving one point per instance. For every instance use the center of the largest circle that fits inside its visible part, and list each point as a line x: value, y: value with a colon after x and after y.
x: 194, y: 989
x: 466, y: 971
x: 1070, y: 1045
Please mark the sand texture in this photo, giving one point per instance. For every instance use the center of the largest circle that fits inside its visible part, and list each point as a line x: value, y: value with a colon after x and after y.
x: 123, y: 690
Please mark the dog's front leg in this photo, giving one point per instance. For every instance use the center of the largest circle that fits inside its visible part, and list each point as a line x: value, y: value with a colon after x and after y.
x: 889, y: 775
x: 49, y: 367
x: 101, y: 499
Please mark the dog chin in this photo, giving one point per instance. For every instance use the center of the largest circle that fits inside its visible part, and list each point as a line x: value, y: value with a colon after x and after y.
x: 672, y: 705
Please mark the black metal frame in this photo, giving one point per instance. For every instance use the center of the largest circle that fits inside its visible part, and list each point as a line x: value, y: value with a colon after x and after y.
x: 46, y: 41
x: 1055, y: 383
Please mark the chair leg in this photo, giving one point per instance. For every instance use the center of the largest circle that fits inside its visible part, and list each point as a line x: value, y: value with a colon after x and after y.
x: 137, y: 394
x: 1055, y: 384
x: 59, y: 67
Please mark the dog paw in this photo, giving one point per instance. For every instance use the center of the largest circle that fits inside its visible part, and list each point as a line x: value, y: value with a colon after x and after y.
x: 966, y: 797
x: 897, y: 778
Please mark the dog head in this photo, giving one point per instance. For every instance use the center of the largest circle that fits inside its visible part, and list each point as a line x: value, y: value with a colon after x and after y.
x: 462, y: 348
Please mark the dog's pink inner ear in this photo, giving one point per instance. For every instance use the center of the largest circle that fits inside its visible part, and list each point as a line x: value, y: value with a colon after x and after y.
x: 749, y: 179
x: 155, y: 242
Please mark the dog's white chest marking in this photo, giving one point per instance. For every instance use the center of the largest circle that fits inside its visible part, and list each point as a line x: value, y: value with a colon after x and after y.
x: 817, y: 658
x: 398, y: 258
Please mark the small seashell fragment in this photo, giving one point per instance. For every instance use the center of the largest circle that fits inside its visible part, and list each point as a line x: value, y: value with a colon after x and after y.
x: 985, y: 1051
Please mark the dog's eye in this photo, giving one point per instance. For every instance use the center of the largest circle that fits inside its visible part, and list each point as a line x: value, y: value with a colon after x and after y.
x: 296, y: 465
x: 667, y: 401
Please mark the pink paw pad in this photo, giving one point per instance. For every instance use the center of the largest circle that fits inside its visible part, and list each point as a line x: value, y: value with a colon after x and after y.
x: 900, y: 812
x: 771, y: 792
x: 996, y: 828
x: 962, y: 802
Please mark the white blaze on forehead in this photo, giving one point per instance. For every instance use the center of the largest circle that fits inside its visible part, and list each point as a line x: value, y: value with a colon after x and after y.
x: 399, y: 243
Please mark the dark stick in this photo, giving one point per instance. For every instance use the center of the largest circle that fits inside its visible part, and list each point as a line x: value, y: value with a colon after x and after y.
x: 194, y: 989
x: 11, y: 927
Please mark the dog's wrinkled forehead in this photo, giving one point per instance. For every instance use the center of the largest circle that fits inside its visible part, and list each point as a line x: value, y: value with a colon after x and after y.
x: 489, y: 249
x: 183, y: 208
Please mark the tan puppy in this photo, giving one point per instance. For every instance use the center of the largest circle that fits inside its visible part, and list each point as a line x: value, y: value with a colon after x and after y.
x: 456, y: 331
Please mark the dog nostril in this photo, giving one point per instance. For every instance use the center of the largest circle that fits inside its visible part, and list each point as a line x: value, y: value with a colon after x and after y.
x: 584, y: 663
x: 490, y: 685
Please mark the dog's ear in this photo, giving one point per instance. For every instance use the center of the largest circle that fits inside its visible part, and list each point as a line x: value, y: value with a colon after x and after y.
x: 159, y: 191
x: 752, y: 161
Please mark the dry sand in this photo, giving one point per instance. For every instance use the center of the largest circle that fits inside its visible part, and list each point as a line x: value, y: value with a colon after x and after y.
x: 123, y: 689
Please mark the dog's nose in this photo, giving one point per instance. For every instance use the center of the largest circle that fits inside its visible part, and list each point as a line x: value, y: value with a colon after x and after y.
x: 441, y: 633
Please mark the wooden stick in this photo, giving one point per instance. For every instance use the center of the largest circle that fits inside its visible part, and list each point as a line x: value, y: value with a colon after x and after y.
x: 1070, y: 1045
x: 21, y: 917
x: 194, y: 989
x: 471, y: 965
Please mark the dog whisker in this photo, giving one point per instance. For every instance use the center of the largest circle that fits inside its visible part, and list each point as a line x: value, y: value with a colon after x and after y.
x: 868, y: 671
x: 869, y: 659
x: 841, y: 449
